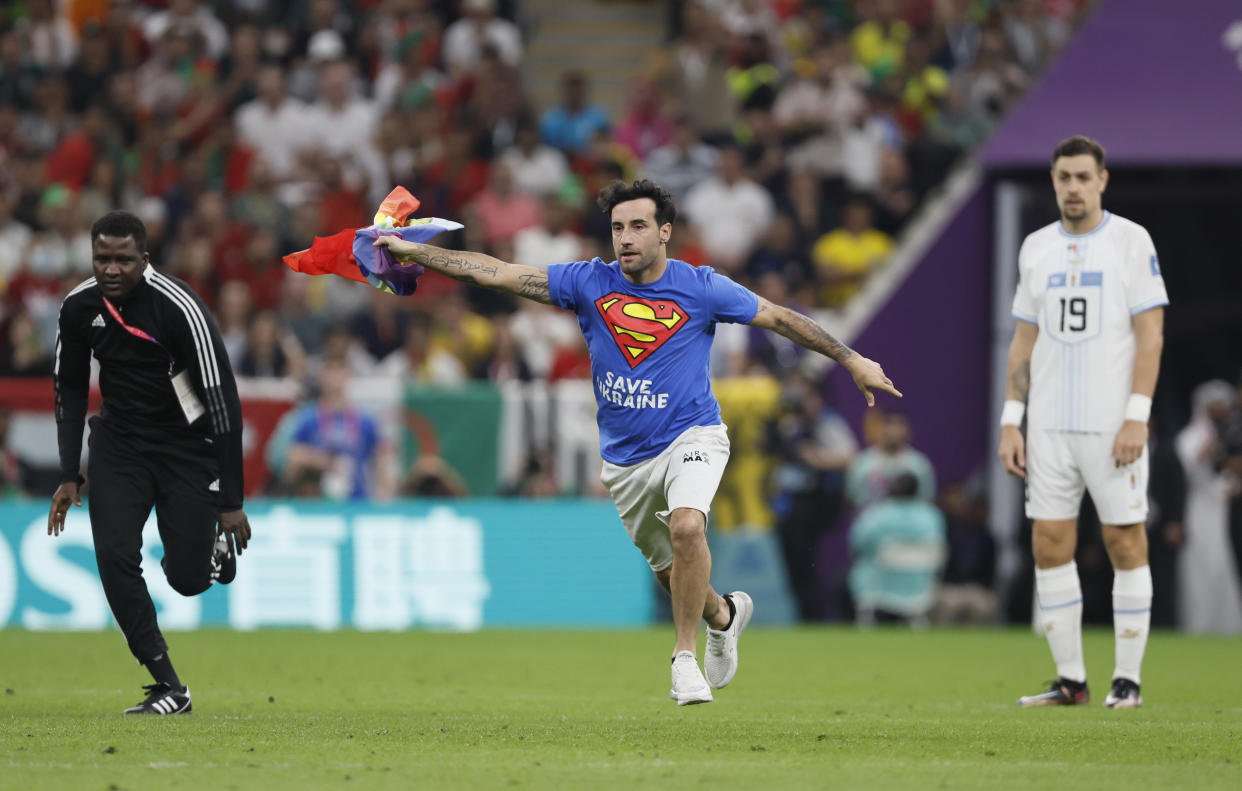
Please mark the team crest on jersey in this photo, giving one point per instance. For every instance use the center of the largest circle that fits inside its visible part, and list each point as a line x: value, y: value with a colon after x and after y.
x: 640, y: 326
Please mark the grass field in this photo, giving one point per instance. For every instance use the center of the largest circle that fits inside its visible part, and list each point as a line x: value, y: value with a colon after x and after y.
x: 810, y: 708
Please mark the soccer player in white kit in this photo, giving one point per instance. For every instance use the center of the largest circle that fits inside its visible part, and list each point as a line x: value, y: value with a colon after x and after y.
x: 1082, y: 367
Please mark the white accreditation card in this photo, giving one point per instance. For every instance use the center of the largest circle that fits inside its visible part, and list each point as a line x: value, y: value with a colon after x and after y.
x: 190, y: 405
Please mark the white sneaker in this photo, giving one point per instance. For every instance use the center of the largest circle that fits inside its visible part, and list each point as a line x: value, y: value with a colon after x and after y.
x: 720, y: 659
x: 689, y: 686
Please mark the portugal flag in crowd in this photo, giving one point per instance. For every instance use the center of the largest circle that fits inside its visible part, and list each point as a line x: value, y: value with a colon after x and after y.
x: 351, y: 254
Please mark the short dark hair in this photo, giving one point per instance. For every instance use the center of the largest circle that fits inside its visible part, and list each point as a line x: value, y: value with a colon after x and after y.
x: 121, y: 224
x: 620, y: 192
x: 1079, y: 144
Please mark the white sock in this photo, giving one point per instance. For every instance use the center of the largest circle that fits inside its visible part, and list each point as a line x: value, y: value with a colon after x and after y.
x: 1131, y: 619
x: 1060, y: 609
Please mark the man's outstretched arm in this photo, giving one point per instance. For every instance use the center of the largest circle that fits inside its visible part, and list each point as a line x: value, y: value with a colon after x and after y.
x: 805, y: 332
x: 475, y: 268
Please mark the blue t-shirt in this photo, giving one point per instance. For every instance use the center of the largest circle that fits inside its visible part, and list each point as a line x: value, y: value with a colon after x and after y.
x: 649, y: 348
x: 350, y: 436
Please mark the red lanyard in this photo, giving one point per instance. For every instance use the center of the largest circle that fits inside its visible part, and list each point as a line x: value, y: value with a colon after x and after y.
x: 137, y: 333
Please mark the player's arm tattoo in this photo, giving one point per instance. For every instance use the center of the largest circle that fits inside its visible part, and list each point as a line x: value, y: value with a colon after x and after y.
x: 1020, y: 380
x: 802, y: 330
x: 483, y: 270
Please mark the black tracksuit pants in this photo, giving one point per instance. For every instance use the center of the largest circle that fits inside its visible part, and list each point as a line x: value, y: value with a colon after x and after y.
x: 128, y: 474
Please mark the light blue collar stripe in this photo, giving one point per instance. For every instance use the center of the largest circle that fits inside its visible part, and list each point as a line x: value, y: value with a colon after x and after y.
x: 1103, y: 221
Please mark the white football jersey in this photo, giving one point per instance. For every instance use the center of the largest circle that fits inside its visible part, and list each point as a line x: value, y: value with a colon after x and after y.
x: 1082, y: 290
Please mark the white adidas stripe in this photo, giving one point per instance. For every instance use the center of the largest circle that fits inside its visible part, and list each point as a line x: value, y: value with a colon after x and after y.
x: 198, y: 325
x: 203, y: 344
x: 160, y: 705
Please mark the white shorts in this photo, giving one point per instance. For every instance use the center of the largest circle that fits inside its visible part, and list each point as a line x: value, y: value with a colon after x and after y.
x: 1059, y: 464
x: 685, y: 475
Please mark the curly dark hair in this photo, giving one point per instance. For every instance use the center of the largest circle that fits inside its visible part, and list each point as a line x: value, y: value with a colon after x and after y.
x: 121, y: 224
x: 1079, y: 144
x: 620, y: 192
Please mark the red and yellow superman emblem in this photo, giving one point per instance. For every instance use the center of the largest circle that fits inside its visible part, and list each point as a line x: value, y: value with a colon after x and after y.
x: 640, y: 326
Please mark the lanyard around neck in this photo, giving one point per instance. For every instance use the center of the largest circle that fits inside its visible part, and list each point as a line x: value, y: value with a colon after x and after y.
x: 137, y: 333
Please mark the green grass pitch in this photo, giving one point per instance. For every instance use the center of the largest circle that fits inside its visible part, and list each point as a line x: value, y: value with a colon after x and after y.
x: 810, y: 708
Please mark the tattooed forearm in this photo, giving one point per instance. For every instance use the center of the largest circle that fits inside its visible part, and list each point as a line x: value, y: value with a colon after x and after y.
x: 455, y: 265
x: 534, y: 287
x: 806, y: 333
x: 1020, y: 381
x: 481, y: 270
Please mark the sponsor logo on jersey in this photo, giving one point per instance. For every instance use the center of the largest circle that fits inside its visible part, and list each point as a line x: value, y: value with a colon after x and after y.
x: 640, y: 326
x: 214, y: 486
x: 99, y: 321
x: 1155, y: 265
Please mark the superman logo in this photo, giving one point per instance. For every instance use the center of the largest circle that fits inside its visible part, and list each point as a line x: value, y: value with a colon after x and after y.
x: 640, y: 326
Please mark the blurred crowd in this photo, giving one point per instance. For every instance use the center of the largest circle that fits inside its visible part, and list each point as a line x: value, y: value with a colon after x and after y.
x: 797, y: 135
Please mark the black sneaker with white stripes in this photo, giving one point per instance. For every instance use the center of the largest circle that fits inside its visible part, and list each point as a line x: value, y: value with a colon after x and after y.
x: 163, y: 698
x: 223, y: 561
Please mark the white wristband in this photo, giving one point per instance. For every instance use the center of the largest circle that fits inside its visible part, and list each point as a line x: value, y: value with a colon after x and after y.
x: 1138, y: 407
x: 1012, y: 412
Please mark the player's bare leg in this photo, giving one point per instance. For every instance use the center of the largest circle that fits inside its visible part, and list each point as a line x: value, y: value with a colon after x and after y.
x: 689, y: 587
x: 1127, y: 549
x: 715, y: 609
x: 1059, y: 596
x: 689, y: 575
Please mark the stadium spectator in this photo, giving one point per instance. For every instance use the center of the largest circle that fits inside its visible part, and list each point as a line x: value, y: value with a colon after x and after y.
x: 338, y: 442
x: 505, y: 362
x: 696, y: 70
x: 898, y: 545
x: 729, y: 211
x: 52, y: 40
x: 1210, y: 593
x: 420, y: 361
x: 538, y: 169
x: 274, y: 124
x: 477, y: 30
x: 270, y: 351
x: 814, y: 447
x: 817, y: 107
x: 571, y: 125
x: 15, y: 237
x: 550, y: 242
x: 22, y: 351
x: 872, y: 473
x: 500, y: 210
x: 189, y: 15
x: 683, y: 162
x: 846, y: 256
x: 645, y: 127
x: 233, y: 311
x: 380, y: 328
x: 1033, y: 35
x: 966, y: 591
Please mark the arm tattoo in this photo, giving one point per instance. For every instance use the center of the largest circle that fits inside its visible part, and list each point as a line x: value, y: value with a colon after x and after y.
x: 481, y: 270
x: 1020, y: 380
x: 806, y: 333
x: 455, y: 266
x: 535, y: 287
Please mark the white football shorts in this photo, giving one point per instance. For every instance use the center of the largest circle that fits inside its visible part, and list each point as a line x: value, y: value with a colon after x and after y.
x: 1060, y: 464
x: 685, y: 475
